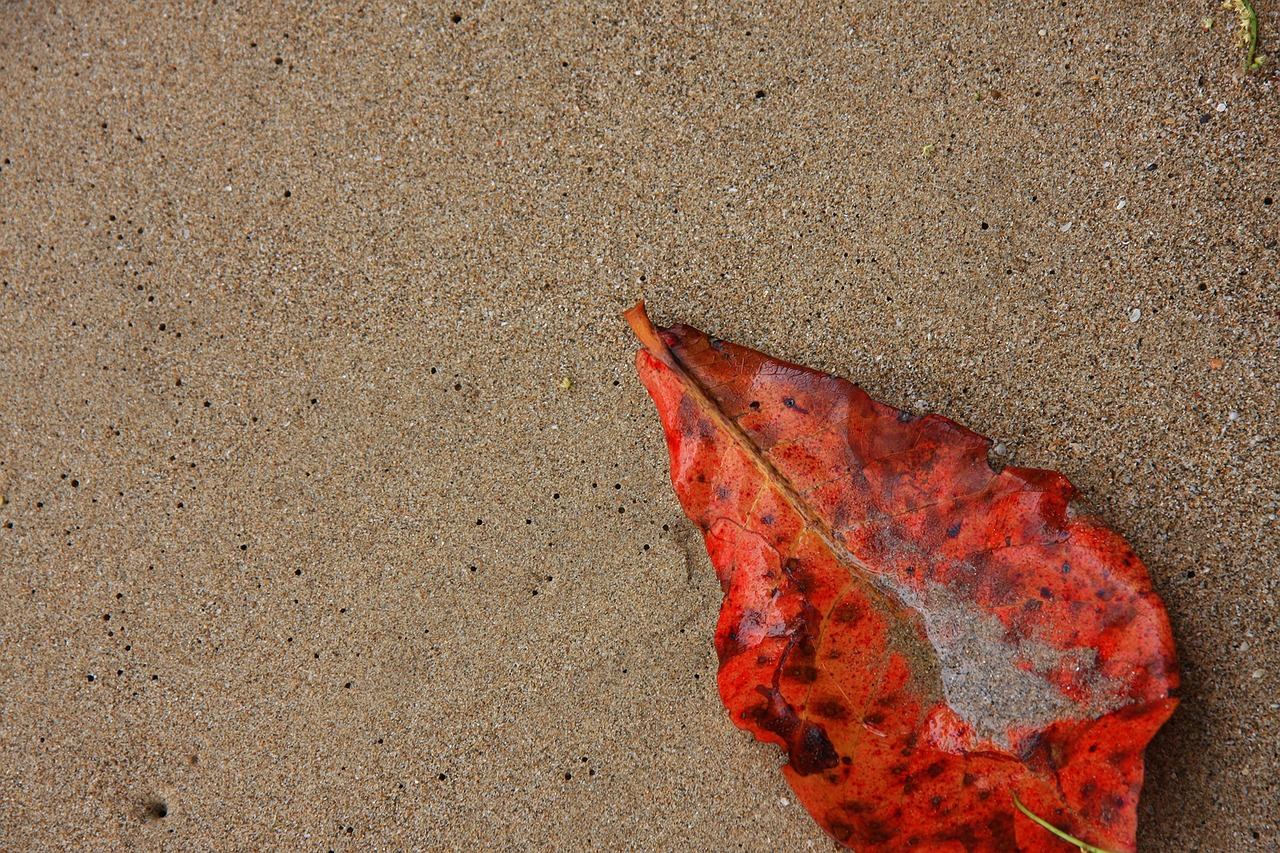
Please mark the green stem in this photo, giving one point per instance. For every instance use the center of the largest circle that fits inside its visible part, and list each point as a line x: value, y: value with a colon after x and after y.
x: 1070, y: 839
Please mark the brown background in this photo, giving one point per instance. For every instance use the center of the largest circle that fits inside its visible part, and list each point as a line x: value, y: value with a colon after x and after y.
x: 288, y: 297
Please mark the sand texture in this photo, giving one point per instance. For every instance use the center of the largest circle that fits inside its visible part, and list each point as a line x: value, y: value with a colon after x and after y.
x: 305, y: 543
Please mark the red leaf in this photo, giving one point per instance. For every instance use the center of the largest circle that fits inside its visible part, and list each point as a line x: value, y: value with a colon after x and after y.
x: 924, y: 636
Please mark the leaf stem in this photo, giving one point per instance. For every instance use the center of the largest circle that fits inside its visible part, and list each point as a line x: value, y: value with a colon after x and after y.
x: 1070, y: 839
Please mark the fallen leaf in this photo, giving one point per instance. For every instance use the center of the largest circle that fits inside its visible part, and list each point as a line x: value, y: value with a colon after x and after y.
x: 927, y: 638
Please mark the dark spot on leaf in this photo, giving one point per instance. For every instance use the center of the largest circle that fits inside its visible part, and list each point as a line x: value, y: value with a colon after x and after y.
x: 832, y: 709
x: 730, y: 646
x: 1000, y: 827
x: 795, y: 571
x: 954, y: 530
x: 878, y: 832
x: 839, y: 830
x: 803, y: 673
x: 816, y: 752
x: 847, y: 612
x: 965, y: 836
x: 807, y: 743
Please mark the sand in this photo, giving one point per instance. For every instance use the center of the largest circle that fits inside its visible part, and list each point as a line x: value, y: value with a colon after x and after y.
x: 306, y: 544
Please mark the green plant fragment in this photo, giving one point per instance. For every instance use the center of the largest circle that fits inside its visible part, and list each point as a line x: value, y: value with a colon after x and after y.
x: 1248, y: 32
x: 1070, y: 839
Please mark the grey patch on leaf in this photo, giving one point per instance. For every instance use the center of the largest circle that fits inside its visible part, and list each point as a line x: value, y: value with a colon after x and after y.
x: 995, y: 685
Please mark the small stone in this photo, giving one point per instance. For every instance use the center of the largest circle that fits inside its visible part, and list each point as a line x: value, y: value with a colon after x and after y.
x: 1120, y: 204
x: 1135, y: 315
x: 1000, y: 449
x: 1216, y: 363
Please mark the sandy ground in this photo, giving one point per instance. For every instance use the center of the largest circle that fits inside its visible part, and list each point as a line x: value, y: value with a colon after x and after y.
x: 305, y: 545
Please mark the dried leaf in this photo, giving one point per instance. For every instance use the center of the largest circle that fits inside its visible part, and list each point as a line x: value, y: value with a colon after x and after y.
x: 925, y: 637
